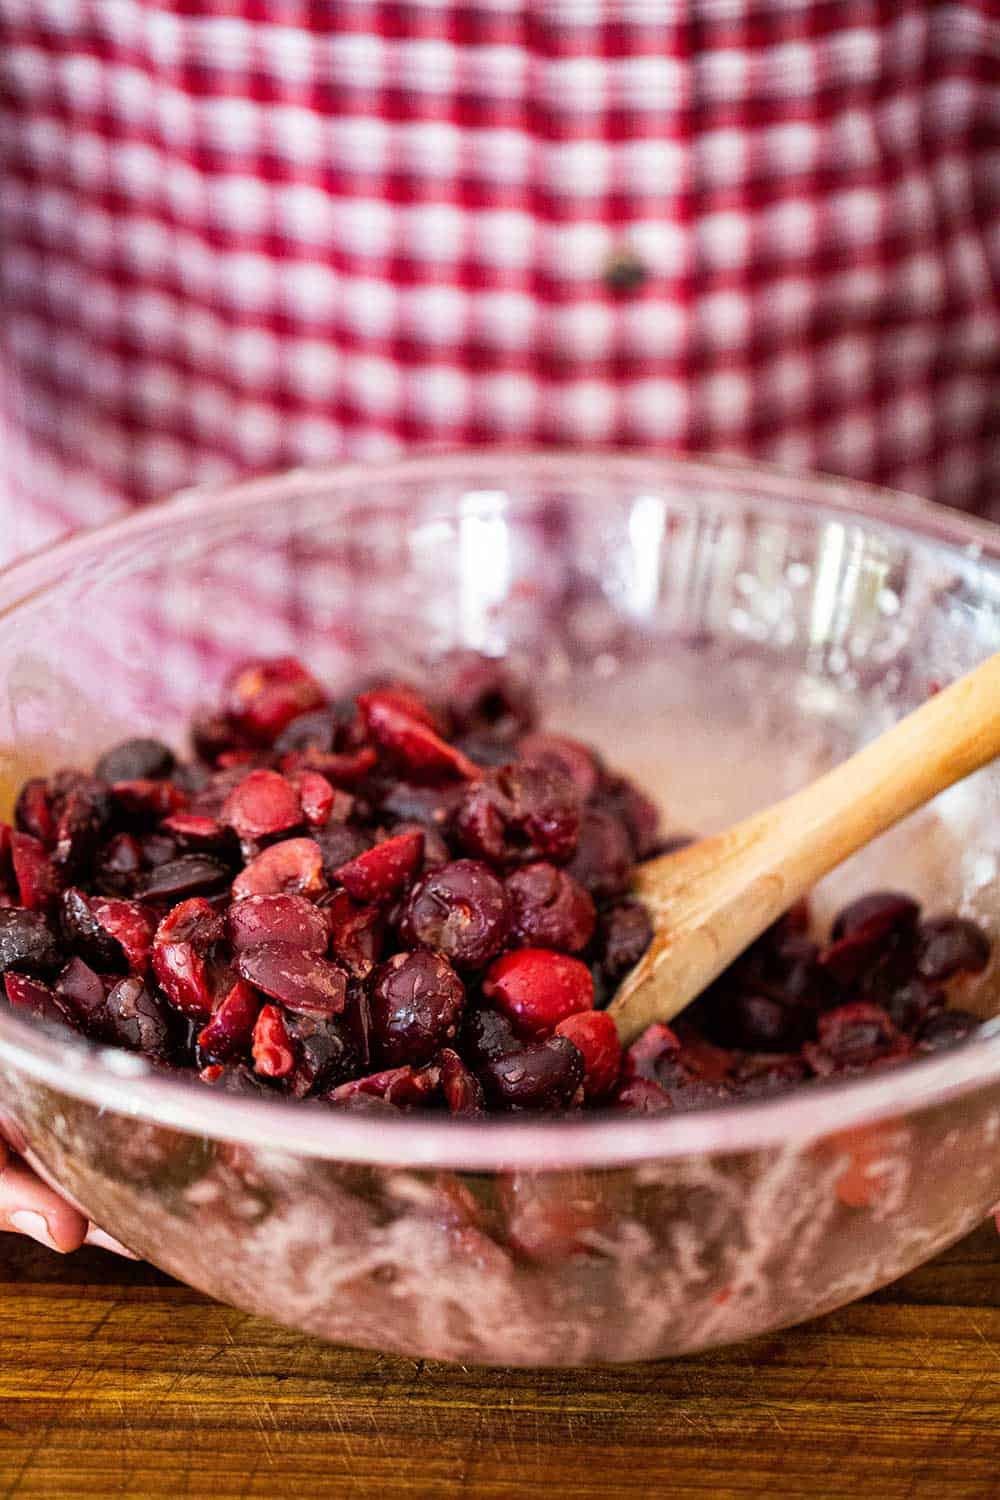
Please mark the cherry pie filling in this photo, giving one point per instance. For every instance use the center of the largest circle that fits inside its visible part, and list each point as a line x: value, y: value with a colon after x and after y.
x: 388, y: 901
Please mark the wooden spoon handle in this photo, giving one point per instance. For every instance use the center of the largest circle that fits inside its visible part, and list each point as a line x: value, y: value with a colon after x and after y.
x: 952, y: 734
x: 710, y: 901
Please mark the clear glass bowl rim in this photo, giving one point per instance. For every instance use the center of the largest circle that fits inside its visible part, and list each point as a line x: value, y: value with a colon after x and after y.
x: 123, y: 1083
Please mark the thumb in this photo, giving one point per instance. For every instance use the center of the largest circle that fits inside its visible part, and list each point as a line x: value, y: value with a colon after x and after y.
x: 28, y: 1206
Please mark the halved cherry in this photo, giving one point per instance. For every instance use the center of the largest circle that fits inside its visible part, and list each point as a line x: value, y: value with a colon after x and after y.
x: 263, y: 804
x: 273, y: 1052
x: 230, y: 1030
x: 294, y: 865
x: 263, y: 697
x: 381, y: 873
x: 411, y: 741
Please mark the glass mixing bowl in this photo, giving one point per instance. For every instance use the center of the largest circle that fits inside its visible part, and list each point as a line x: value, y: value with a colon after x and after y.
x: 721, y: 632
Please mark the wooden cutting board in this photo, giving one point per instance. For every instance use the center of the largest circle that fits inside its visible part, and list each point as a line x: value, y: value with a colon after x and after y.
x: 116, y: 1381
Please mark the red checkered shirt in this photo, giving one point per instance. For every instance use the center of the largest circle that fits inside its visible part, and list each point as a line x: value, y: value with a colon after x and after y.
x: 241, y: 234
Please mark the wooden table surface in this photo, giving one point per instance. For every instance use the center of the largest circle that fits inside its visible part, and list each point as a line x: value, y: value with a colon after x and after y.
x: 116, y: 1381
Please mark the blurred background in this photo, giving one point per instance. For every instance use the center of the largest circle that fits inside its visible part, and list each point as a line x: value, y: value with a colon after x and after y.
x: 238, y: 235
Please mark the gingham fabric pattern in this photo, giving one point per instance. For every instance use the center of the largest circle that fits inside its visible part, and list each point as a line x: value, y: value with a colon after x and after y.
x: 241, y: 234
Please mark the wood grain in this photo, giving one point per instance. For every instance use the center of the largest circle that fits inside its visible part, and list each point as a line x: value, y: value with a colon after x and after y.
x: 116, y: 1381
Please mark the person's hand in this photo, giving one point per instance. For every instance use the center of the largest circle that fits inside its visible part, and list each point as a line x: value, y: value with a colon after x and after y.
x: 29, y: 1206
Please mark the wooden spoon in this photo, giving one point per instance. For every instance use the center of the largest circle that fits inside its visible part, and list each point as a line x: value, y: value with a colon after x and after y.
x: 710, y: 900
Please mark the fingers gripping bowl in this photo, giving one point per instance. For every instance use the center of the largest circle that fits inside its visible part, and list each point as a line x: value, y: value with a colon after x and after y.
x: 722, y: 634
